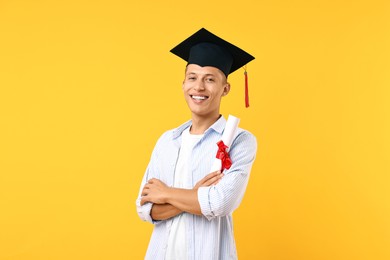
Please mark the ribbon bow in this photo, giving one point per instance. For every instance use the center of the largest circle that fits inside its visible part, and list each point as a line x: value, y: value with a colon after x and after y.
x: 223, y: 155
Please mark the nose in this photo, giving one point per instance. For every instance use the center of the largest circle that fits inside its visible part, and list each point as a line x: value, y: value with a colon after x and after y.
x: 199, y: 85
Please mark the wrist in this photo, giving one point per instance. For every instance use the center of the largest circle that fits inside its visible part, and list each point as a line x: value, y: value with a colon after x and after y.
x: 169, y: 195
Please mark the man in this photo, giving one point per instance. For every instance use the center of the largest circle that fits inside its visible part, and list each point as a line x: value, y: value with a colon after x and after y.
x: 190, y: 207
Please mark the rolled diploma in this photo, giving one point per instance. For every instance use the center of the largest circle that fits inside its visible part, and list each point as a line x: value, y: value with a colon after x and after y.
x: 227, y: 138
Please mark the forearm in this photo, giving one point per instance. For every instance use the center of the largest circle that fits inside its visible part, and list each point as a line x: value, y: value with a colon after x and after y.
x: 159, y: 193
x: 164, y: 211
x: 184, y: 200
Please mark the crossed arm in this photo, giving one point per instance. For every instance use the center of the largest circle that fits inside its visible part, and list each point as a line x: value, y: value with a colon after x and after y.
x: 169, y: 201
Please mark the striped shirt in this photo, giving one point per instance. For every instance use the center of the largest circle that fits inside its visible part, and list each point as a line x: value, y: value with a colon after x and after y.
x: 209, y: 236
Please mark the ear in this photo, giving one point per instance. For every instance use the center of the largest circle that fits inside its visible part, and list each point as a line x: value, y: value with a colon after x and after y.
x: 226, y: 89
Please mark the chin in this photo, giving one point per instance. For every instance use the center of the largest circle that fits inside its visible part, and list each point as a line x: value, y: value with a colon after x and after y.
x: 202, y: 113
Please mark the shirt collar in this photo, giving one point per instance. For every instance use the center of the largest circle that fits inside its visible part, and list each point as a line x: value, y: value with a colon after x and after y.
x: 178, y: 131
x: 218, y: 127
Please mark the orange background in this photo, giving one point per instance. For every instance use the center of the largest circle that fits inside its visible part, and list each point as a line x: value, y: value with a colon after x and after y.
x: 87, y: 87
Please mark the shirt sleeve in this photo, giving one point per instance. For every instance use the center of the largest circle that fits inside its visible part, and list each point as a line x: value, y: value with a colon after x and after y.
x: 144, y: 211
x: 222, y: 199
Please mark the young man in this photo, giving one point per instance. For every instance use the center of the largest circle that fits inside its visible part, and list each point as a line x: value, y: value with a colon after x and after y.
x: 190, y: 207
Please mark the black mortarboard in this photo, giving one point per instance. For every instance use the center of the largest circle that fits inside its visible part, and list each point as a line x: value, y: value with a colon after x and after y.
x: 206, y: 49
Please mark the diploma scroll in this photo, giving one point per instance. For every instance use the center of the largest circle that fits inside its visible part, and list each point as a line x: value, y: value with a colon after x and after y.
x: 227, y: 138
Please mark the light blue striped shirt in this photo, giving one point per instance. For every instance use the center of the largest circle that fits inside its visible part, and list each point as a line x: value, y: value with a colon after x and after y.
x: 209, y: 236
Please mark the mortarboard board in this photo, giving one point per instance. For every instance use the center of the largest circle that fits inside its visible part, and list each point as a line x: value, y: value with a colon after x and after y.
x: 206, y: 49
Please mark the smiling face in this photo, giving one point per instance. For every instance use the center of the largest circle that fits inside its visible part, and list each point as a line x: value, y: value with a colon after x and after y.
x: 203, y: 89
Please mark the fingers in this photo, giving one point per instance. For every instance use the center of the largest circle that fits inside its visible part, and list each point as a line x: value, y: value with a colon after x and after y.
x: 211, y: 175
x: 151, y: 180
x: 213, y: 180
x: 151, y: 191
x: 144, y: 191
x: 210, y: 179
x: 155, y: 181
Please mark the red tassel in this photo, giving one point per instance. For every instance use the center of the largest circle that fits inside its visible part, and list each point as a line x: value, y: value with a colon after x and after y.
x: 246, y: 90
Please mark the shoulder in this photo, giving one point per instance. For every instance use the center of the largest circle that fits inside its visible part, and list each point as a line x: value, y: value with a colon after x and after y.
x: 165, y: 137
x: 243, y: 134
x: 172, y: 134
x: 245, y: 139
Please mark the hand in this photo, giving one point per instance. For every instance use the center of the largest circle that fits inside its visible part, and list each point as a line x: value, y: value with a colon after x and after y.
x: 154, y: 191
x: 210, y: 179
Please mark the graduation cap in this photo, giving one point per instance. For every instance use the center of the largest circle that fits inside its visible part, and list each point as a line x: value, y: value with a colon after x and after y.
x: 204, y: 48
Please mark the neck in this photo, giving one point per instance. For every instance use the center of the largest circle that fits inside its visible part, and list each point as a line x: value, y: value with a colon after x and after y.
x: 201, y: 124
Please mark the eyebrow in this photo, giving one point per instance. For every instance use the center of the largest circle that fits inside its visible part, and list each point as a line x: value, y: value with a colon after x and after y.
x: 206, y: 75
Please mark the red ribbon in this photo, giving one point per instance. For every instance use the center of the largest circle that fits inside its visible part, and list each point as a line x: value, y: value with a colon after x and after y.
x: 223, y: 155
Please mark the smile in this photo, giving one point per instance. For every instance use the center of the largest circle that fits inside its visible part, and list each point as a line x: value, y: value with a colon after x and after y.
x: 199, y: 97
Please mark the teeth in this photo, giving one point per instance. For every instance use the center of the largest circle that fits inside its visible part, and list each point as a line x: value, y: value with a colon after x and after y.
x: 199, y: 97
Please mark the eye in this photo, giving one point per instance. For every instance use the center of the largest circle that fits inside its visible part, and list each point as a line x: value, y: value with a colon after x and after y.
x: 210, y: 80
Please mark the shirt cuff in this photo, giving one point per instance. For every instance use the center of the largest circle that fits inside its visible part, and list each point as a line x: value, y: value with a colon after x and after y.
x: 204, y: 202
x: 144, y: 211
